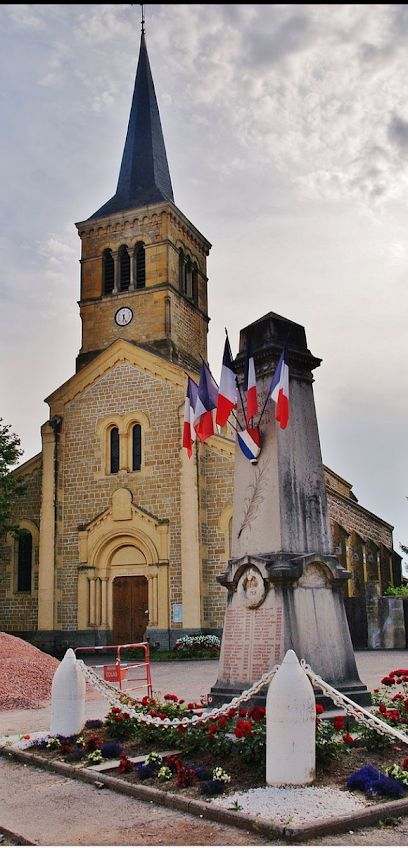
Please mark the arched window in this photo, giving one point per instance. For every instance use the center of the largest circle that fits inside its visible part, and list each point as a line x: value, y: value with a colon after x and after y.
x: 108, y: 271
x: 182, y: 272
x: 114, y: 450
x: 195, y: 285
x: 140, y: 265
x: 186, y: 272
x: 136, y: 447
x: 124, y: 269
x: 25, y: 559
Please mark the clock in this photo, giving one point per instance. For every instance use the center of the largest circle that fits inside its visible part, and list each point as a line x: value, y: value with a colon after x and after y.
x: 123, y: 316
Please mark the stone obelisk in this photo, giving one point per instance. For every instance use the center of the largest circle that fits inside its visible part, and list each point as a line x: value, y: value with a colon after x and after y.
x: 284, y: 582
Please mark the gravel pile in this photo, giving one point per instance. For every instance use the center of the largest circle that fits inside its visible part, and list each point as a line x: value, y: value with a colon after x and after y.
x: 25, y: 674
x: 294, y: 805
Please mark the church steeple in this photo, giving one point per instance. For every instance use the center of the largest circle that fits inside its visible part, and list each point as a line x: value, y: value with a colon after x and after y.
x: 144, y: 176
x: 143, y: 263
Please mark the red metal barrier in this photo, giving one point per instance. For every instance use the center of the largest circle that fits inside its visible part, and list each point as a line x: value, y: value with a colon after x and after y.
x: 121, y: 671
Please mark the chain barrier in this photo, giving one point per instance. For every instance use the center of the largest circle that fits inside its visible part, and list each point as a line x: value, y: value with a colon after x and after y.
x: 110, y: 692
x: 351, y: 708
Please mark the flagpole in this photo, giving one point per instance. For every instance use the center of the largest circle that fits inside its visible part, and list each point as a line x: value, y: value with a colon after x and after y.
x: 238, y: 387
x: 212, y: 375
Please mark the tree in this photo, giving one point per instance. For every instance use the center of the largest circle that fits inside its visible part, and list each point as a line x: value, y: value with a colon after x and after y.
x: 11, y: 487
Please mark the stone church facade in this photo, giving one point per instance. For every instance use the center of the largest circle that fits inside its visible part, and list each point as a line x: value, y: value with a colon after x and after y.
x: 125, y: 534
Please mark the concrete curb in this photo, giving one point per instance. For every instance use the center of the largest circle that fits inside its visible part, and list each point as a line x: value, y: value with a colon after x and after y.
x: 20, y: 840
x: 367, y: 818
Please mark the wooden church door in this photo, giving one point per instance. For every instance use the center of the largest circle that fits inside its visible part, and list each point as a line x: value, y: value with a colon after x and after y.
x: 130, y: 609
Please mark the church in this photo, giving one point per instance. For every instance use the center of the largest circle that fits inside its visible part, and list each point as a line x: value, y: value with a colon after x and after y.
x: 126, y: 535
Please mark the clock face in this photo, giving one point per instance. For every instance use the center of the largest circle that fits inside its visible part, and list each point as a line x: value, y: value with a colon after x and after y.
x: 123, y: 316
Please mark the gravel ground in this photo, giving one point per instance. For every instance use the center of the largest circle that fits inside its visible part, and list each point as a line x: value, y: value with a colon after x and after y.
x: 294, y: 805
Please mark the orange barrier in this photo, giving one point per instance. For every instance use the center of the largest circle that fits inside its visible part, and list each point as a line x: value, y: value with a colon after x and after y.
x: 122, y: 671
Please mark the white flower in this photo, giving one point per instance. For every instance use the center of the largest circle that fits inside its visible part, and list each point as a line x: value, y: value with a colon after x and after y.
x: 95, y: 757
x: 220, y: 774
x: 154, y: 757
x: 164, y: 773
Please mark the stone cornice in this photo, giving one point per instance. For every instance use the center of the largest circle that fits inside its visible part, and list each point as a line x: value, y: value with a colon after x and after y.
x: 128, y: 218
x: 120, y: 352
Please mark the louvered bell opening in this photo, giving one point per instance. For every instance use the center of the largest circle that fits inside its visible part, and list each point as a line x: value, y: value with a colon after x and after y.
x: 124, y: 270
x: 140, y: 267
x: 108, y: 272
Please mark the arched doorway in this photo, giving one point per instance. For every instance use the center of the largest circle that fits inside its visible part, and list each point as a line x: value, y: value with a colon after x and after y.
x: 129, y: 609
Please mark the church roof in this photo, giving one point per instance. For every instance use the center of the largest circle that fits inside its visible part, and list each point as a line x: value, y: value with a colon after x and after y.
x: 144, y: 176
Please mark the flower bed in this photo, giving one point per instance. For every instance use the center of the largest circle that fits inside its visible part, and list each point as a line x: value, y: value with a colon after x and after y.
x: 228, y: 753
x: 199, y: 646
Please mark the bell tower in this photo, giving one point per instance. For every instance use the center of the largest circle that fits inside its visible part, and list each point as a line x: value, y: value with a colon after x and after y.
x: 143, y: 263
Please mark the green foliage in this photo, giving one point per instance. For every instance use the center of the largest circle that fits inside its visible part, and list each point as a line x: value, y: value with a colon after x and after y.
x: 253, y: 746
x: 371, y: 739
x: 119, y: 725
x: 329, y: 742
x: 400, y: 591
x: 11, y: 487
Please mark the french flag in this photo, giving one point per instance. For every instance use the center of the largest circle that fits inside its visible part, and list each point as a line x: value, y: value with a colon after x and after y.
x: 189, y: 433
x: 227, y: 392
x: 279, y: 390
x: 249, y: 441
x: 207, y: 397
x: 250, y: 383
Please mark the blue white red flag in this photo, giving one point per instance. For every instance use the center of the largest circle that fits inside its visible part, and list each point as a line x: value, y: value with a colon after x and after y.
x: 227, y: 392
x: 189, y: 433
x: 207, y: 397
x: 250, y: 383
x: 279, y: 390
x: 249, y: 441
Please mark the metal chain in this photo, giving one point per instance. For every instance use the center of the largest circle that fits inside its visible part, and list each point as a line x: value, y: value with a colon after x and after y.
x: 351, y: 708
x: 110, y: 692
x: 361, y: 715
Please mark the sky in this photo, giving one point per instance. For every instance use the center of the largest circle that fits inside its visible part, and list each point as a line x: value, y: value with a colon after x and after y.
x: 286, y: 130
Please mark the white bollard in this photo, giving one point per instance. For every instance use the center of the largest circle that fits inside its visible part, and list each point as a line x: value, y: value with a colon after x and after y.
x: 67, y: 697
x: 290, y: 726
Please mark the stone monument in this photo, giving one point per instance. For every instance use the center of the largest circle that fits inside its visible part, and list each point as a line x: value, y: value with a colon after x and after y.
x: 284, y: 582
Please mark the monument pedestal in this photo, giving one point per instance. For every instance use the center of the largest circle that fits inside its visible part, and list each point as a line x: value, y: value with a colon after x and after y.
x: 279, y: 602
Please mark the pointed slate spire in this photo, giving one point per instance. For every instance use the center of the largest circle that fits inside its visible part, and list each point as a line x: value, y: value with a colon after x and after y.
x: 144, y: 173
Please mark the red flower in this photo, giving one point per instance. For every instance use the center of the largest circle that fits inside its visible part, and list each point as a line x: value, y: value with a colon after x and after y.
x: 212, y: 729
x: 27, y: 736
x: 397, y: 697
x: 243, y: 728
x: 319, y: 709
x: 338, y: 722
x: 125, y: 764
x: 382, y: 709
x: 163, y: 715
x: 181, y: 700
x: 242, y: 713
x: 405, y: 763
x: 348, y: 739
x: 388, y: 681
x: 258, y: 713
x: 191, y: 706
